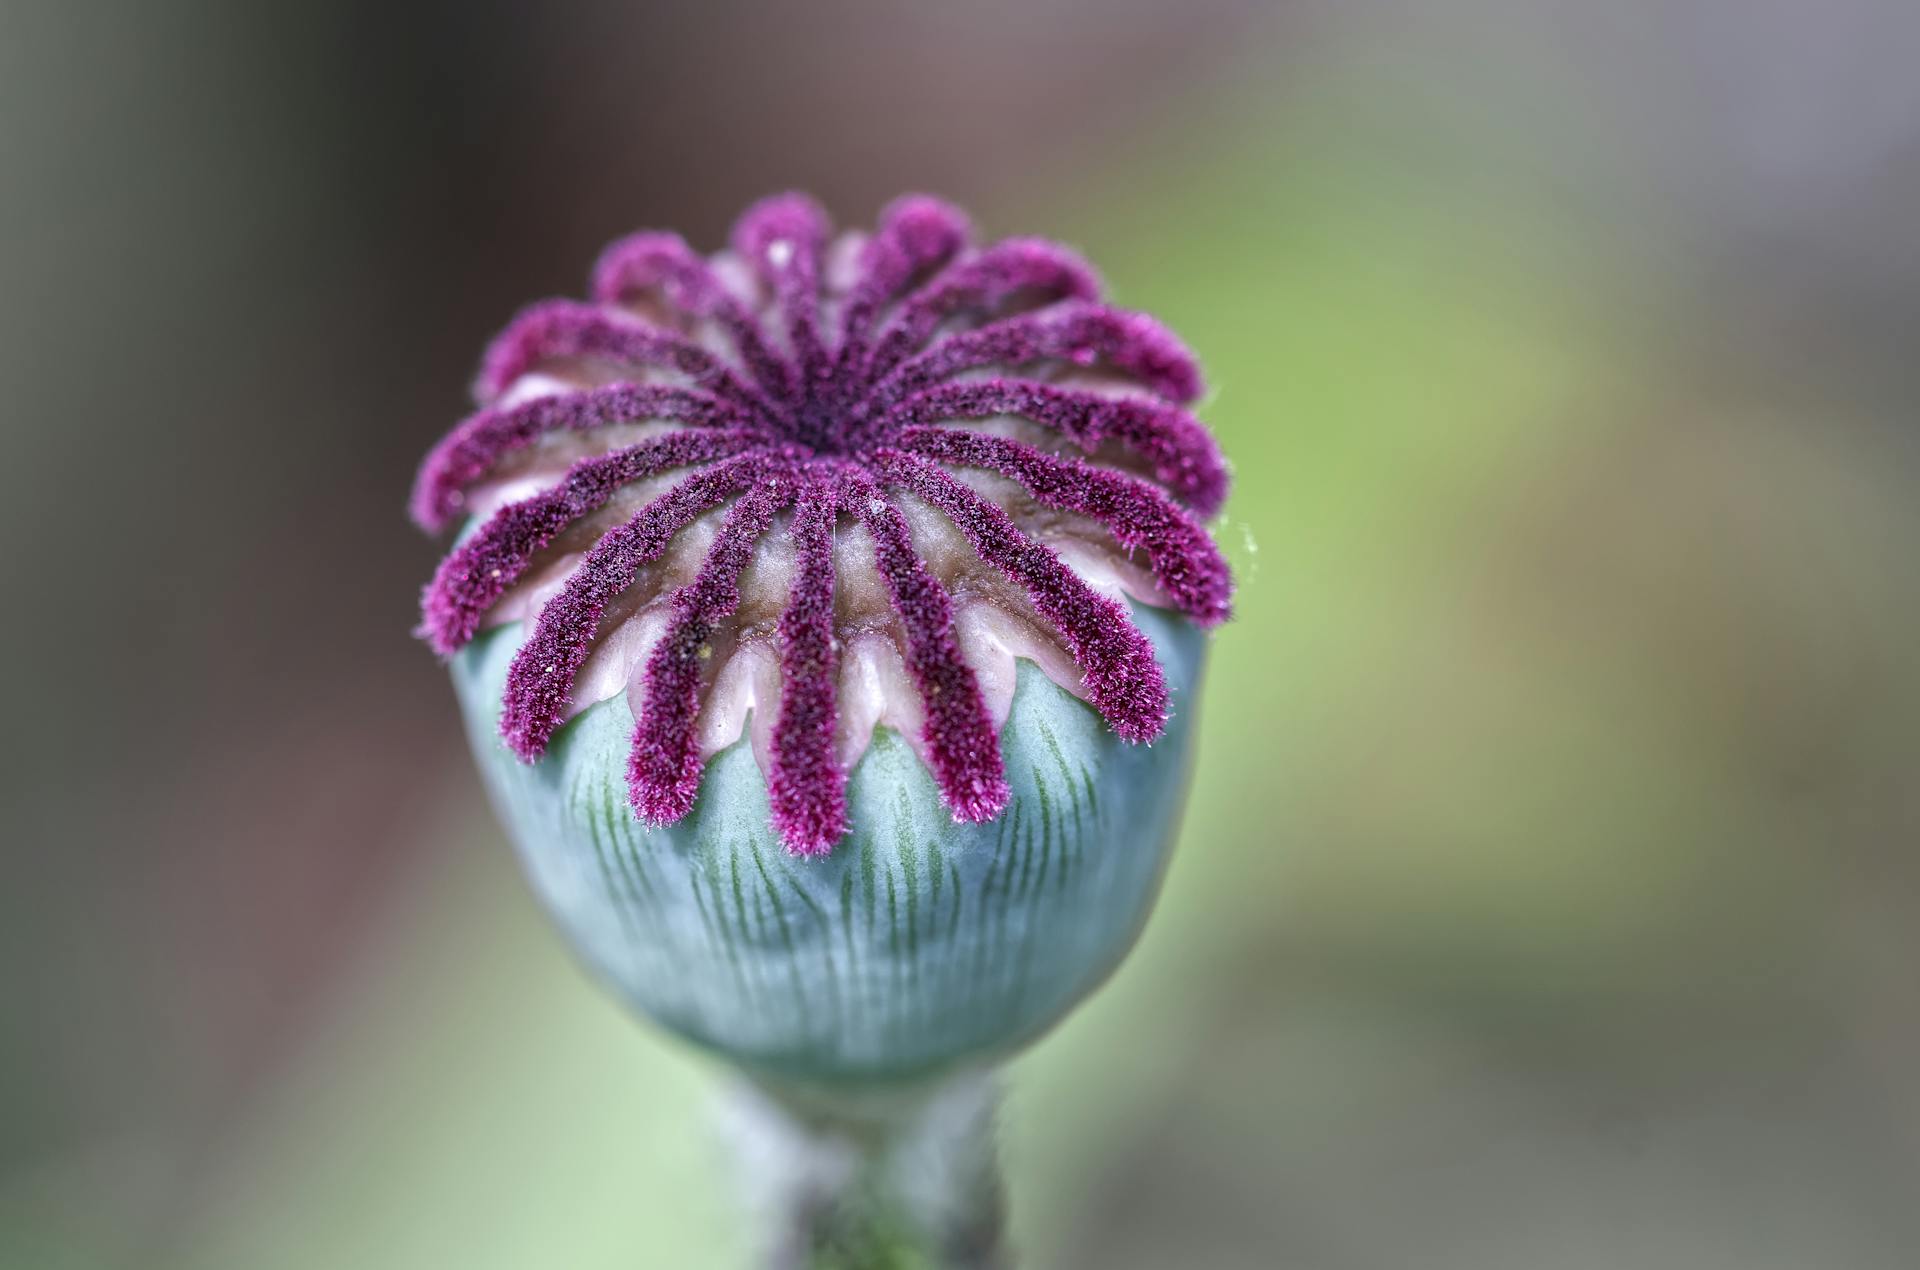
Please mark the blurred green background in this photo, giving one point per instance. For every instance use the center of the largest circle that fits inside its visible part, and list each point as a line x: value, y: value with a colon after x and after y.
x: 1548, y: 897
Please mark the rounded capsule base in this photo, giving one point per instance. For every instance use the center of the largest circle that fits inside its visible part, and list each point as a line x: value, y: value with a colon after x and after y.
x: 917, y: 944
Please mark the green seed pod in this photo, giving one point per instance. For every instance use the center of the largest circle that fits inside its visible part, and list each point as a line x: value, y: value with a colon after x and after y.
x: 918, y: 943
x: 828, y: 627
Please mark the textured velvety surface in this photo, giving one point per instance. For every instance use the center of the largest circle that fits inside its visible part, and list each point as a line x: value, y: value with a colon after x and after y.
x: 811, y: 388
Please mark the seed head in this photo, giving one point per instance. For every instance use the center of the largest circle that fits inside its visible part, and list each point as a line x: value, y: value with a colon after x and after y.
x: 826, y: 484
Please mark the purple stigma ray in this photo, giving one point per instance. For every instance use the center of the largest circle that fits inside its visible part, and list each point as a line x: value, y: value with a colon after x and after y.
x: 783, y: 237
x: 540, y: 680
x: 663, y: 772
x: 471, y: 450
x: 962, y: 748
x: 1073, y: 332
x: 916, y: 233
x: 807, y: 787
x: 1123, y: 677
x: 558, y: 329
x: 645, y: 261
x: 1139, y: 515
x: 653, y: 260
x: 1184, y: 457
x: 479, y: 571
x: 794, y: 399
x: 979, y: 283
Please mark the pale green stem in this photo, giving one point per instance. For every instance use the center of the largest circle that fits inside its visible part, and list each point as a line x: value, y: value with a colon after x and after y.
x: 893, y: 1179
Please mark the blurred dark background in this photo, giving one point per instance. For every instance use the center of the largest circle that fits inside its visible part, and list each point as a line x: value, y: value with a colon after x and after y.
x: 1549, y: 897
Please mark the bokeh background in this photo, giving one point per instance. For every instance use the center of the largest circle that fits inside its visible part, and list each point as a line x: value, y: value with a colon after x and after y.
x: 1549, y: 898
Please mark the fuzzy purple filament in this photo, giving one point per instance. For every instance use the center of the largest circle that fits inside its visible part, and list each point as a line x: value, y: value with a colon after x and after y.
x: 1122, y: 676
x: 806, y: 788
x: 473, y: 448
x: 664, y: 774
x: 1139, y: 515
x: 820, y: 413
x: 961, y: 745
x: 479, y: 571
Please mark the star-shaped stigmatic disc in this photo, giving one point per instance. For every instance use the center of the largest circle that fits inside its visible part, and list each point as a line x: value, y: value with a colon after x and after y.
x: 826, y: 484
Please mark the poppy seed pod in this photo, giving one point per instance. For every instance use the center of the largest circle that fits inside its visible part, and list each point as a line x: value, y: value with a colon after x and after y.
x: 828, y: 624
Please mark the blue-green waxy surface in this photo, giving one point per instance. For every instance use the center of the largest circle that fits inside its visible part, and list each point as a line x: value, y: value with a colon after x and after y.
x: 918, y: 944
